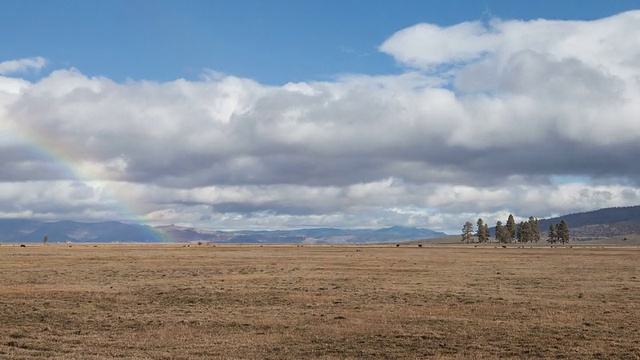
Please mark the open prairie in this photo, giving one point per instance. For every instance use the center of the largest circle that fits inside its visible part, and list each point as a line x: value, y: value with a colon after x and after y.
x: 167, y: 301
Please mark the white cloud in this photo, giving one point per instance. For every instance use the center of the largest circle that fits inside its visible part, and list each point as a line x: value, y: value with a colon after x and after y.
x: 22, y: 65
x: 483, y: 121
x: 428, y: 45
x: 601, y: 43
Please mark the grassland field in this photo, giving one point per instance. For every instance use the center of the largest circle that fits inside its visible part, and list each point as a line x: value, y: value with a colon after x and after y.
x: 173, y: 301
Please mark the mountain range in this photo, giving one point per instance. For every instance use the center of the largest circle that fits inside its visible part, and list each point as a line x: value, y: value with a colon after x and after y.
x: 19, y: 230
x: 302, y: 236
x: 602, y: 223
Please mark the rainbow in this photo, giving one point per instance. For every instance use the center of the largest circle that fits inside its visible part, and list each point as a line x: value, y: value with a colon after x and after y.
x: 67, y: 161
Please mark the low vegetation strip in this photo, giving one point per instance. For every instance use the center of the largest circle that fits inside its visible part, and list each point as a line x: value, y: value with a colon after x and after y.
x: 169, y: 301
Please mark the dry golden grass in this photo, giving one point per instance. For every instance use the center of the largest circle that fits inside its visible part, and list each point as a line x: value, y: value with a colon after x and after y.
x: 277, y: 302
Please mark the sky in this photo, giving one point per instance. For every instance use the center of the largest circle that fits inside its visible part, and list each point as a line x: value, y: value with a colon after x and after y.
x: 289, y: 114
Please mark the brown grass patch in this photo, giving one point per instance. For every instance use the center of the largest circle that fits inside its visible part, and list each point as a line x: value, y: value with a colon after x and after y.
x: 275, y: 302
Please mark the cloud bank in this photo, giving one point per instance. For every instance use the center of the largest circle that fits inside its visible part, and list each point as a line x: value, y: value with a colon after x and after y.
x: 529, y: 117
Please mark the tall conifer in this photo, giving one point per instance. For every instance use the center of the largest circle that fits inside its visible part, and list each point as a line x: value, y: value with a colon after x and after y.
x: 500, y: 232
x: 483, y: 235
x: 511, y: 228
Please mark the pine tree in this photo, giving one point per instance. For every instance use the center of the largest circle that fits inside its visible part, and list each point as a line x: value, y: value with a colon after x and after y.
x: 562, y: 232
x: 535, y: 229
x: 467, y: 232
x: 519, y: 232
x: 500, y: 232
x: 510, y: 228
x: 526, y: 232
x: 551, y: 235
x: 486, y: 231
x: 483, y: 235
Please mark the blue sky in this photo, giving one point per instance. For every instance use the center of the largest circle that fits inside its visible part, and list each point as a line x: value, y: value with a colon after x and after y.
x: 273, y: 42
x: 288, y: 114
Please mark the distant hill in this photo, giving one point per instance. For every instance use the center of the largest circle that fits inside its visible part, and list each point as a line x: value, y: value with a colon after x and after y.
x: 598, y: 224
x: 596, y: 217
x: 19, y: 230
x: 308, y: 236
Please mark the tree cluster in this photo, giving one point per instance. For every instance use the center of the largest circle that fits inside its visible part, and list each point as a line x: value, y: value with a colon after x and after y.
x: 525, y: 232
x: 558, y: 233
x: 483, y: 231
x: 529, y: 231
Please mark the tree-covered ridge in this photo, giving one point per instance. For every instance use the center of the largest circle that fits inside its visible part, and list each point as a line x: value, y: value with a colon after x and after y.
x: 612, y: 215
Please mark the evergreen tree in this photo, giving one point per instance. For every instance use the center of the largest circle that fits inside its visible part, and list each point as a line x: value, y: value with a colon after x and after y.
x: 500, y: 232
x: 562, y: 232
x: 467, y: 232
x: 526, y: 232
x: 519, y: 232
x: 535, y: 229
x: 483, y: 235
x: 551, y: 235
x: 510, y: 229
x: 486, y: 231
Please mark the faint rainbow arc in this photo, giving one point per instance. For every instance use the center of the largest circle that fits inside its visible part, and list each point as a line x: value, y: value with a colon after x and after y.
x: 65, y: 160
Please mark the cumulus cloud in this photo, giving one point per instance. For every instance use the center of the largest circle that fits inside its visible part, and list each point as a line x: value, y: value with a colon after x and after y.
x: 600, y: 43
x: 485, y: 118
